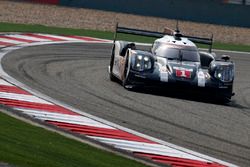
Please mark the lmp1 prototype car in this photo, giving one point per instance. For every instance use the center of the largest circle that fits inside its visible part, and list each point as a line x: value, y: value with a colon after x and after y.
x: 174, y: 59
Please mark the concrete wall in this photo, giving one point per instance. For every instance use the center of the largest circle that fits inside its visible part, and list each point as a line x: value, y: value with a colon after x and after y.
x: 207, y: 11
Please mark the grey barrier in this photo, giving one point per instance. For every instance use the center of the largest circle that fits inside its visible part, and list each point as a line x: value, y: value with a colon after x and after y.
x: 207, y: 11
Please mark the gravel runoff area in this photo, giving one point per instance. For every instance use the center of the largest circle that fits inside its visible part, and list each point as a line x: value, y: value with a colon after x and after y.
x: 51, y: 15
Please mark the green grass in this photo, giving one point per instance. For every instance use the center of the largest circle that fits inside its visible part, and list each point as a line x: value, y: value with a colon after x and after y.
x: 24, y: 145
x: 232, y: 47
x: 11, y: 27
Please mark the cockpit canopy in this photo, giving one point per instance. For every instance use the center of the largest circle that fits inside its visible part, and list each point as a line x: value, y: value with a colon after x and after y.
x: 176, y: 53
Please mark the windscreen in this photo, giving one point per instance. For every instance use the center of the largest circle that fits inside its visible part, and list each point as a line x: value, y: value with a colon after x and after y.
x: 178, y: 54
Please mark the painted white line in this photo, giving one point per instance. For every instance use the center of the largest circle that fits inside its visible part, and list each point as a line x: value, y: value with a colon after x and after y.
x: 143, y: 44
x: 149, y: 148
x: 3, y: 82
x: 226, y: 51
x: 65, y: 118
x: 21, y: 36
x: 21, y: 97
x: 39, y: 94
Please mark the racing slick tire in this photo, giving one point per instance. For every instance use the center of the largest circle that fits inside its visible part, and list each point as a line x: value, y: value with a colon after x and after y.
x: 225, y: 96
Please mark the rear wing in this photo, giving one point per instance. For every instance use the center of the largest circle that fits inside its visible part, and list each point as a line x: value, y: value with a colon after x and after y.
x: 205, y: 41
x: 125, y: 30
x: 176, y: 34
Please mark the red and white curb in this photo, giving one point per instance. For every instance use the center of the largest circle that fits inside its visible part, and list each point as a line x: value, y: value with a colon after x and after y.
x: 36, y: 105
x: 7, y: 40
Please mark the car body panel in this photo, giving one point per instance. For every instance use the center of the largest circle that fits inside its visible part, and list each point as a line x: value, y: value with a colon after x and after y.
x: 171, y: 60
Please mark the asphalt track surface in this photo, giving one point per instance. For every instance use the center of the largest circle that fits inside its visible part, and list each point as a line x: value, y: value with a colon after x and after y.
x: 76, y: 74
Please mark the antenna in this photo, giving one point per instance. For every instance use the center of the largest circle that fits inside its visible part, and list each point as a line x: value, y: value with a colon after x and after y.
x: 177, y: 34
x: 177, y: 27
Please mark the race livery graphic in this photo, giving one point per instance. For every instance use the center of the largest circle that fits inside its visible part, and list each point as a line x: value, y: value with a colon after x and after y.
x: 173, y: 60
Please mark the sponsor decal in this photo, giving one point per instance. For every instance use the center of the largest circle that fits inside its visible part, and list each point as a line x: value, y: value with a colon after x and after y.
x: 201, y: 79
x: 183, y: 72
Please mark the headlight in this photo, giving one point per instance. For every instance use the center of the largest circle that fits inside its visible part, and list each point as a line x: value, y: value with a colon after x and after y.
x: 225, y: 73
x: 207, y: 75
x: 141, y: 62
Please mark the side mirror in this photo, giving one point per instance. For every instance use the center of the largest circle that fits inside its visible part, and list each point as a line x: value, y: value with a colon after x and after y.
x: 225, y: 57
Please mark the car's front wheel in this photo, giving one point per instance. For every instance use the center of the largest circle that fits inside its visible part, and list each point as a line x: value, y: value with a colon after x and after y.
x: 126, y: 83
x: 225, y: 95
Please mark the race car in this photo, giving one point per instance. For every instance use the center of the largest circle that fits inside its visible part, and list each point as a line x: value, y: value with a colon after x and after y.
x: 173, y: 59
